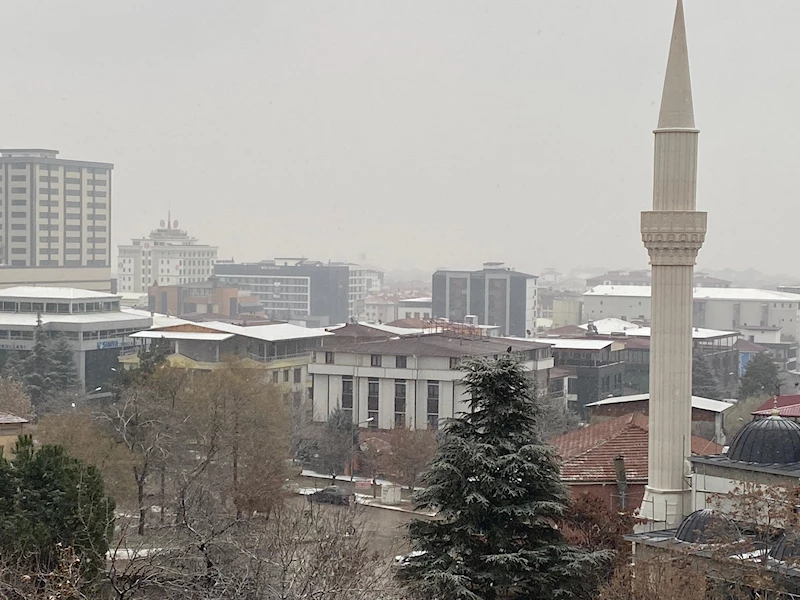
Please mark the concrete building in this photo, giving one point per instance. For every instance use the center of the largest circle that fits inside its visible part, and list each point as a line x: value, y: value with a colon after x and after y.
x: 594, y: 368
x: 380, y: 310
x: 673, y: 232
x: 93, y: 324
x: 11, y: 427
x: 643, y: 277
x: 412, y: 381
x: 282, y: 350
x: 292, y: 288
x: 206, y: 299
x: 714, y: 308
x: 56, y: 225
x: 495, y: 295
x: 168, y: 256
x: 415, y: 308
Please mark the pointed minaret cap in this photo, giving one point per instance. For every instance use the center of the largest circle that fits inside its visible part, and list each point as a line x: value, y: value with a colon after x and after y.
x: 677, y: 111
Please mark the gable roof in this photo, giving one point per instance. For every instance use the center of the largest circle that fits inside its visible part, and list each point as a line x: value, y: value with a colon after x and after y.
x: 588, y: 453
x: 743, y: 345
x: 779, y: 402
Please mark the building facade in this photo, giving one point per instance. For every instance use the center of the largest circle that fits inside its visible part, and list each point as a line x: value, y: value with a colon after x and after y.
x: 168, y: 256
x: 93, y: 324
x: 714, y: 308
x: 56, y: 222
x: 407, y: 382
x: 495, y: 295
x: 293, y: 288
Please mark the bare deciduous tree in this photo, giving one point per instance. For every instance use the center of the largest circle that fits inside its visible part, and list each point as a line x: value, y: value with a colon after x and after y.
x: 14, y: 399
x: 410, y: 452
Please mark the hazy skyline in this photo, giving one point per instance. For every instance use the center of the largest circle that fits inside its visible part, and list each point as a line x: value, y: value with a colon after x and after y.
x: 413, y: 134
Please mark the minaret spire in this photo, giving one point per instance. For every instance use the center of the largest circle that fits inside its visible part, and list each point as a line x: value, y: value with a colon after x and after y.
x: 673, y: 232
x: 677, y: 110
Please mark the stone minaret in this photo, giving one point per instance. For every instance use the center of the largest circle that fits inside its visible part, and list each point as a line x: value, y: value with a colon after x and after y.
x: 672, y: 233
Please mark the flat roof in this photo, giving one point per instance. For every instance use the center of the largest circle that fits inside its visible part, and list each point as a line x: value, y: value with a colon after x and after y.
x: 54, y: 293
x: 441, y: 345
x: 8, y: 319
x: 700, y: 293
x: 276, y: 332
x: 9, y: 419
x: 158, y: 319
x: 182, y: 335
x: 575, y: 344
x: 698, y: 333
x: 698, y: 402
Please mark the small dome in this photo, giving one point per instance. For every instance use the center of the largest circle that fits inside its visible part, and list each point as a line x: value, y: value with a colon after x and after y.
x: 707, y: 527
x: 773, y: 440
x: 788, y: 547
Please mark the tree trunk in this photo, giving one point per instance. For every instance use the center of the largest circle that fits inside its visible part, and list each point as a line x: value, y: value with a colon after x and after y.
x: 162, y: 501
x: 140, y: 499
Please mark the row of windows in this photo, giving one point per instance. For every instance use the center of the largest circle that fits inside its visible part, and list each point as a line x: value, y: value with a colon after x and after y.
x: 297, y: 375
x: 400, y: 361
x: 400, y: 398
x: 60, y: 307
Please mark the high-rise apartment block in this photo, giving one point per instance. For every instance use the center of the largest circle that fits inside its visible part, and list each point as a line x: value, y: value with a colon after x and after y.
x: 495, y: 295
x: 55, y: 220
x: 168, y: 256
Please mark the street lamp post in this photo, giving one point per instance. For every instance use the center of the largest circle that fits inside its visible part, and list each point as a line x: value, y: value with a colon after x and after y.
x: 353, y: 449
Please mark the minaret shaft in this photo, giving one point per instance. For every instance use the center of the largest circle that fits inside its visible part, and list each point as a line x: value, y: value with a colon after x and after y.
x: 672, y: 232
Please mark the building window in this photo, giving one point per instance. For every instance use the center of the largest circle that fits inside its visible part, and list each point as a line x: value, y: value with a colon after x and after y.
x: 373, y: 400
x: 297, y: 374
x: 19, y: 190
x: 347, y: 396
x: 455, y: 362
x: 286, y: 375
x: 329, y: 358
x: 572, y: 386
x: 399, y: 403
x: 433, y: 405
x: 375, y: 360
x: 401, y: 362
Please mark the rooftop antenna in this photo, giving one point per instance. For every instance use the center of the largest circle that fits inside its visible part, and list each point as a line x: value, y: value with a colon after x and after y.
x: 774, y: 412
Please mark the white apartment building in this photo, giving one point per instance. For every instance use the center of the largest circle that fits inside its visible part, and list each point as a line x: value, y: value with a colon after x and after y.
x: 168, y: 256
x: 412, y: 381
x: 55, y: 223
x: 728, y: 309
x: 364, y: 282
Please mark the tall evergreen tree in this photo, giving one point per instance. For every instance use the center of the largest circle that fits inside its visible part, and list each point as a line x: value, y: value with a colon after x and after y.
x: 338, y: 442
x: 498, y: 493
x: 64, y: 369
x: 49, y: 500
x: 704, y: 381
x: 760, y: 377
x: 38, y: 370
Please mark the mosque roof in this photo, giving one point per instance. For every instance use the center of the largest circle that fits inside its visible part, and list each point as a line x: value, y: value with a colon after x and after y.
x: 707, y: 526
x: 773, y: 440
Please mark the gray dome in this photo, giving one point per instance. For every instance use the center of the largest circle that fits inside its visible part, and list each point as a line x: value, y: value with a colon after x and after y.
x: 707, y: 527
x: 773, y: 440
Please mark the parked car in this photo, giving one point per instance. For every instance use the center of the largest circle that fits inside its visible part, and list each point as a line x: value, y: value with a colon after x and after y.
x: 331, y: 495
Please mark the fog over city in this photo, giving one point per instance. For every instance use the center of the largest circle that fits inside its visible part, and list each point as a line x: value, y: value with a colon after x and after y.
x: 413, y: 134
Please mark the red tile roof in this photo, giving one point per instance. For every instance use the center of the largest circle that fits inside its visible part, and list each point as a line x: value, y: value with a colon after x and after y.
x: 792, y: 411
x: 743, y: 345
x: 588, y: 453
x: 782, y: 401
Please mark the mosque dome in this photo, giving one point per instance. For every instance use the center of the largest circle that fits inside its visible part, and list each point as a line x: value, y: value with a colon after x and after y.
x: 786, y: 548
x: 707, y: 527
x: 773, y: 440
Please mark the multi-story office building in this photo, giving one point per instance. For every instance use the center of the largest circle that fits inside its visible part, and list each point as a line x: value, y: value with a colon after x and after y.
x: 412, y: 381
x: 168, y: 256
x: 55, y: 220
x: 93, y: 323
x: 495, y: 295
x: 293, y: 288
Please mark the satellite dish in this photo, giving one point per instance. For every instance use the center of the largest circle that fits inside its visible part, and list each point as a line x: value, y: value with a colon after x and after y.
x: 162, y: 223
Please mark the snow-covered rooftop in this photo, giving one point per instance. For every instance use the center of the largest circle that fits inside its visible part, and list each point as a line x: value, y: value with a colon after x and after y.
x: 697, y: 402
x: 700, y: 293
x: 182, y: 335
x: 610, y: 325
x: 574, y: 344
x: 159, y: 320
x: 698, y: 333
x: 54, y: 293
x: 275, y: 332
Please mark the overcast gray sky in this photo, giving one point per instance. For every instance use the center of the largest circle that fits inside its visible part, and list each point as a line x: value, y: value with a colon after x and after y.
x: 409, y: 133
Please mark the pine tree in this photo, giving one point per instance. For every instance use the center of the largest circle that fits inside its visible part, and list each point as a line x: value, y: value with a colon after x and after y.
x: 704, y: 381
x: 49, y: 500
x: 498, y: 493
x: 338, y: 442
x: 760, y: 377
x: 65, y: 371
x: 38, y: 370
